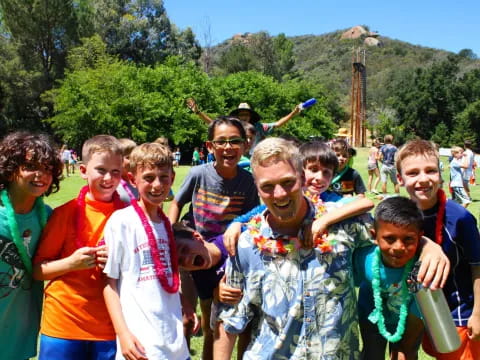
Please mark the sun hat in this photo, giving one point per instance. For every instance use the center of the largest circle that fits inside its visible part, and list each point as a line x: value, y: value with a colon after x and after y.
x: 254, y: 116
x: 342, y: 132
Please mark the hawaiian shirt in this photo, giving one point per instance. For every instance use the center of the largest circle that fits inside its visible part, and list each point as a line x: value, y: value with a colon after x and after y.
x: 304, y: 300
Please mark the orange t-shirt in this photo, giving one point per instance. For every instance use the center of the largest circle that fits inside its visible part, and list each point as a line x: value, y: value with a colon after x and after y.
x: 74, y: 307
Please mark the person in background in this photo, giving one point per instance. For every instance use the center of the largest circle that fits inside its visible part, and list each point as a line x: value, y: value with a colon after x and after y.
x: 372, y: 167
x: 387, y: 157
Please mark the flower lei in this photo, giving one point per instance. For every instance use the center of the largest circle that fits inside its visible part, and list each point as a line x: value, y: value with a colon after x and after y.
x: 15, y: 231
x: 80, y: 215
x: 377, y: 314
x: 442, y: 203
x: 169, y: 284
x: 286, y: 244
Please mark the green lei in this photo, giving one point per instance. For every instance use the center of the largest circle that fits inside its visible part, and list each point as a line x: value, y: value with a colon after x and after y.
x: 377, y: 314
x: 15, y: 231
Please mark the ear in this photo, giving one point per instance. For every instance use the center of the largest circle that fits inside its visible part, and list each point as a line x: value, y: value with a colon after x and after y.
x: 173, y: 176
x: 374, y: 233
x: 209, y: 146
x: 83, y: 171
x: 400, y: 179
x: 131, y: 179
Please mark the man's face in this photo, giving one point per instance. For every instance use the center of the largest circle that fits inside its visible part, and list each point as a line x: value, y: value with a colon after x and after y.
x: 317, y: 177
x: 421, y: 177
x: 398, y: 244
x: 280, y: 187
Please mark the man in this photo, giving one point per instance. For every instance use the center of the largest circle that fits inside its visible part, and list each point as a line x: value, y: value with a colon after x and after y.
x: 304, y: 298
x: 469, y: 160
x: 387, y: 157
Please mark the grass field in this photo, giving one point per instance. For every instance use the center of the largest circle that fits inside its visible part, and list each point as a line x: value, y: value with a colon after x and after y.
x: 71, y: 185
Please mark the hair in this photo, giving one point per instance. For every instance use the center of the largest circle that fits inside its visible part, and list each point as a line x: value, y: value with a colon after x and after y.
x: 318, y: 151
x: 127, y: 146
x: 43, y: 151
x: 227, y: 120
x: 162, y: 140
x: 341, y: 146
x: 457, y: 150
x: 249, y: 127
x: 150, y: 155
x: 100, y: 143
x: 467, y: 143
x: 415, y: 148
x: 182, y: 231
x: 388, y: 139
x: 273, y: 150
x: 399, y: 211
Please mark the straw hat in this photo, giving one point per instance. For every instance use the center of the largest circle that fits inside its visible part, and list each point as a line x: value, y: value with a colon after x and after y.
x: 254, y: 116
x: 342, y: 132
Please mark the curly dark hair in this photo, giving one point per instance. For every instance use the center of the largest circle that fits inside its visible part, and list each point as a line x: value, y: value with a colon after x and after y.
x: 13, y: 154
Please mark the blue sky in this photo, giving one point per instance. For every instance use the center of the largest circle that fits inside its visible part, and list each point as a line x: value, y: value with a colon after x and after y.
x: 441, y: 24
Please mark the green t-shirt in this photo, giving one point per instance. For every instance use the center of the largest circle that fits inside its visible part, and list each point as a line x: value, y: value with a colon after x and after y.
x: 20, y: 296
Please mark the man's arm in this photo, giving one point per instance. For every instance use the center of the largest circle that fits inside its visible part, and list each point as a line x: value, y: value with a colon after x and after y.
x: 474, y: 320
x: 288, y: 117
x: 130, y: 346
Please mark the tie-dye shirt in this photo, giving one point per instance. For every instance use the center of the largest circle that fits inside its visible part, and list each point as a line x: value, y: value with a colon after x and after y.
x: 304, y: 300
x: 215, y: 201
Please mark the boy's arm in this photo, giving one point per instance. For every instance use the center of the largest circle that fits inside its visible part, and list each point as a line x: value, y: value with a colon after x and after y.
x: 288, y: 117
x: 174, y: 211
x: 81, y: 259
x: 474, y: 320
x: 354, y: 208
x: 192, y: 105
x: 130, y: 346
x: 435, y: 265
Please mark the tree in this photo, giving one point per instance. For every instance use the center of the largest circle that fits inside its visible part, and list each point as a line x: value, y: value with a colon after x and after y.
x: 237, y: 58
x: 467, y: 54
x: 441, y: 135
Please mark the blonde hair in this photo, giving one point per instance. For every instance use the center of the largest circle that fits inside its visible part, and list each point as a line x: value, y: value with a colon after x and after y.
x: 150, y: 155
x: 273, y: 150
x: 127, y: 146
x: 100, y: 143
x: 415, y: 148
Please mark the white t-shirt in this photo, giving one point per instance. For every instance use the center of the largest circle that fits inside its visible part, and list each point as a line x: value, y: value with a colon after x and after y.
x: 467, y: 173
x: 153, y: 315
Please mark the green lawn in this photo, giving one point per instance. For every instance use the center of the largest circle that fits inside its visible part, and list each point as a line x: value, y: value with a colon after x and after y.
x: 71, y: 185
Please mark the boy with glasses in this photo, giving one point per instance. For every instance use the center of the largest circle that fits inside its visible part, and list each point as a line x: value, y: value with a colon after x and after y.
x: 218, y: 192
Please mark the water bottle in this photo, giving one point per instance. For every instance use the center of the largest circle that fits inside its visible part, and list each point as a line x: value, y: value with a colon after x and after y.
x: 436, y: 314
x: 308, y: 103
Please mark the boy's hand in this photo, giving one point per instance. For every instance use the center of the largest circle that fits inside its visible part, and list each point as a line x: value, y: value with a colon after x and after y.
x: 230, y: 237
x: 435, y: 265
x: 192, y: 105
x: 473, y: 326
x: 131, y: 347
x: 319, y: 227
x: 227, y: 294
x: 189, y: 317
x: 101, y: 256
x: 83, y: 258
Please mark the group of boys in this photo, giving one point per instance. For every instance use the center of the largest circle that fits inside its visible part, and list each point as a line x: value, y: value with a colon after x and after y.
x: 312, y: 318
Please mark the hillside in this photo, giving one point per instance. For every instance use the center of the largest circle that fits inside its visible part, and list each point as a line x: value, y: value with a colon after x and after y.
x: 327, y: 59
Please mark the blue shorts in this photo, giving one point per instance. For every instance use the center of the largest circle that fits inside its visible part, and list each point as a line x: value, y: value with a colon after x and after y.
x: 52, y: 348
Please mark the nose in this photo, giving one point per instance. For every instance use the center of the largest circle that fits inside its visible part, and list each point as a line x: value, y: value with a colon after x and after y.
x: 398, y: 246
x: 107, y: 176
x: 279, y: 191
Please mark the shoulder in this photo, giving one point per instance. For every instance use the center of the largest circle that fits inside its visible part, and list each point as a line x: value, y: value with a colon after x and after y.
x: 65, y: 210
x: 244, y: 174
x: 456, y: 212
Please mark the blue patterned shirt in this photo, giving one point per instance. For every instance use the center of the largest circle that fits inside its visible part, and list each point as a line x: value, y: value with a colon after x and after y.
x: 304, y: 300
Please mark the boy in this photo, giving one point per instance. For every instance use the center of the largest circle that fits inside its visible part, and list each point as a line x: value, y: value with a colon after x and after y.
x: 75, y: 321
x: 217, y: 192
x: 143, y: 301
x: 458, y: 163
x: 127, y: 146
x: 455, y: 229
x: 397, y: 232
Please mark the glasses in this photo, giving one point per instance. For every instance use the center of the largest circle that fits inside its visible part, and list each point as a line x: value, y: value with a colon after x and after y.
x: 234, y: 143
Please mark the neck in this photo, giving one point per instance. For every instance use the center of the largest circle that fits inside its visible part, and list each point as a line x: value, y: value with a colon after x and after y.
x: 226, y: 173
x: 289, y: 227
x: 21, y: 202
x: 427, y: 204
x: 151, y: 211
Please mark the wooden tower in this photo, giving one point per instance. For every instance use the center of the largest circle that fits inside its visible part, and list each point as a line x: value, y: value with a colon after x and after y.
x: 358, y: 111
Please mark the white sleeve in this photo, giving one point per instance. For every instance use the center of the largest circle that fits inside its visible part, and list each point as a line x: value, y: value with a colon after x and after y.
x: 113, y: 238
